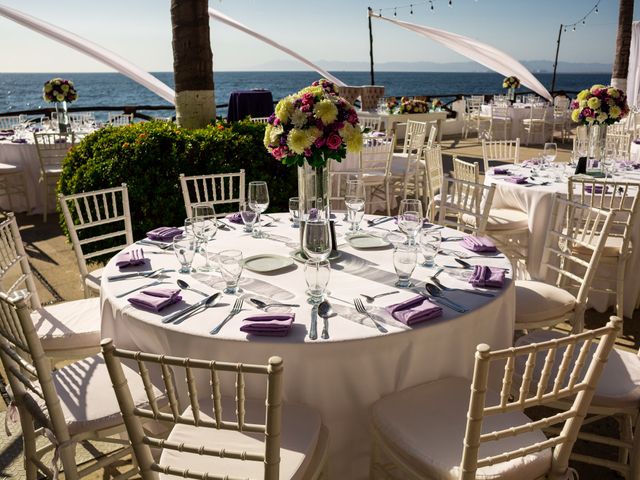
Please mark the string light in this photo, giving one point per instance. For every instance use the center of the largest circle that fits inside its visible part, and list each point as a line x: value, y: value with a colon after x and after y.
x: 430, y: 4
x: 583, y: 20
x: 411, y: 12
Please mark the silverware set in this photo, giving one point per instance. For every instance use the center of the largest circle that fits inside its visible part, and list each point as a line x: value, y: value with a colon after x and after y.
x: 181, y: 316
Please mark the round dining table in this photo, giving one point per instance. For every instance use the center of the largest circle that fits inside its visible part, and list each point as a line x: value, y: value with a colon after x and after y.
x: 343, y: 375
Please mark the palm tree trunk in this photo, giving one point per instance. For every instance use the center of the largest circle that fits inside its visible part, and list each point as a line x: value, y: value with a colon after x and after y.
x: 192, y: 63
x: 623, y: 44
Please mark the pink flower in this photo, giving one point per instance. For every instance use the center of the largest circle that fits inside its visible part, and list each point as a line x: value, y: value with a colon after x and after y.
x: 277, y: 153
x: 587, y: 112
x: 307, y: 99
x: 352, y: 118
x: 306, y: 108
x: 334, y: 141
x: 307, y: 152
x: 319, y: 142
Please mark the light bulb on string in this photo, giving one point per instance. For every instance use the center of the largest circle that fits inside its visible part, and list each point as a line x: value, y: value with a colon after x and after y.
x: 584, y: 22
x: 573, y: 29
x: 395, y: 12
x: 451, y: 3
x: 596, y: 10
x: 411, y: 12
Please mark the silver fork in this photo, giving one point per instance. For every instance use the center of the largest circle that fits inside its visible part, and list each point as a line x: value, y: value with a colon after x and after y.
x: 234, y: 311
x: 360, y: 308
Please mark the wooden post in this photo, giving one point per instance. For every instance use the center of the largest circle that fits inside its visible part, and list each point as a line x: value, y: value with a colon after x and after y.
x: 555, y: 63
x: 373, y: 80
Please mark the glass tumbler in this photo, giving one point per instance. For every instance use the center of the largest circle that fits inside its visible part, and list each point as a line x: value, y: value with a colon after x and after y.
x: 404, y: 261
x: 184, y: 248
x: 231, y: 266
x: 316, y: 274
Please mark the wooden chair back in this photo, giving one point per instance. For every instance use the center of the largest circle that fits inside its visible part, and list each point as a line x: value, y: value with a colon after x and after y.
x: 502, y: 151
x: 99, y: 223
x: 575, y: 381
x: 12, y: 121
x: 372, y: 123
x: 414, y: 137
x: 191, y: 368
x: 217, y: 189
x: 52, y: 148
x: 434, y: 173
x: 120, y: 119
x: 376, y: 155
x: 465, y: 205
x: 433, y: 133
x: 468, y: 171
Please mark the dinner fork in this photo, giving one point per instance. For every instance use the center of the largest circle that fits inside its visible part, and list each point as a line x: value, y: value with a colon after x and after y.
x: 360, y: 308
x: 234, y: 311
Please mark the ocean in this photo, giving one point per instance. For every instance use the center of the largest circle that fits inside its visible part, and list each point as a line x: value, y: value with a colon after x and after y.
x: 23, y: 91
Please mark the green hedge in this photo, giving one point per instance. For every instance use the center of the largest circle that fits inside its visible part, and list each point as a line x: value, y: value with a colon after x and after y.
x: 150, y: 156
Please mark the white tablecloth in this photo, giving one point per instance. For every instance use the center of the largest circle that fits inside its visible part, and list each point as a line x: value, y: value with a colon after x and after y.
x: 343, y: 376
x: 25, y: 156
x: 536, y: 201
x: 389, y: 120
x: 517, y: 113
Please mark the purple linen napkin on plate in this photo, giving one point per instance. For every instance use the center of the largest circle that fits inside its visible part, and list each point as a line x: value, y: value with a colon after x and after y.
x: 155, y: 299
x: 235, y: 218
x: 478, y: 244
x: 163, y: 234
x: 516, y: 179
x: 415, y: 310
x: 484, y: 276
x: 268, y: 324
x: 500, y: 171
x: 131, y: 258
x: 18, y: 140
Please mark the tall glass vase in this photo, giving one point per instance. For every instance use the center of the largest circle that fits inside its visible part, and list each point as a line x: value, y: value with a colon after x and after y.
x: 313, y: 191
x: 511, y: 95
x: 597, y: 135
x: 63, y: 117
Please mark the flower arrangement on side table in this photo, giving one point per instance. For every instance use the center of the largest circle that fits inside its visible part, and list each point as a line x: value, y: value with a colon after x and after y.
x: 511, y: 82
x: 61, y: 92
x: 436, y: 103
x: 392, y: 104
x: 413, y: 106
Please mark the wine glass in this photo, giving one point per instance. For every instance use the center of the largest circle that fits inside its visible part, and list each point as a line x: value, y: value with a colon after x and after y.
x: 410, y: 218
x: 550, y: 152
x: 231, y: 266
x: 294, y: 211
x: 354, y: 200
x: 259, y: 202
x: 205, y: 226
x: 316, y: 239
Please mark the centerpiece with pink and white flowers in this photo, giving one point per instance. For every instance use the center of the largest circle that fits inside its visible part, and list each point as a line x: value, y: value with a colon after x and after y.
x: 413, y: 106
x: 599, y: 105
x: 61, y: 92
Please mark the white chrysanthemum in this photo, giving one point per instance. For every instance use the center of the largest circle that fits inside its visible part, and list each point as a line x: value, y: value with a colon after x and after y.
x: 326, y: 111
x: 602, y: 117
x: 298, y: 140
x: 284, y: 108
x: 615, y: 112
x: 298, y: 118
x: 593, y: 103
x: 275, y: 133
x: 313, y: 133
x: 267, y: 135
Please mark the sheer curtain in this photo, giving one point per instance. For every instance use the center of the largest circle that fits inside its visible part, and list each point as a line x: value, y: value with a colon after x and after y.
x: 633, y: 77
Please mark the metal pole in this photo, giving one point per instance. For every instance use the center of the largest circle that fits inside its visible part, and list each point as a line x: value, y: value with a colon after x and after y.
x: 555, y: 63
x: 373, y: 80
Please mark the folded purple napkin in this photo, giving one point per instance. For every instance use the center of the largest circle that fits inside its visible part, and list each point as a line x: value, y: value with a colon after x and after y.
x: 163, y: 234
x: 516, y: 179
x: 268, y: 324
x: 131, y: 258
x: 18, y: 140
x: 500, y: 171
x: 531, y: 162
x: 478, y: 244
x: 593, y: 188
x: 235, y: 218
x: 484, y: 276
x: 415, y: 310
x: 155, y: 299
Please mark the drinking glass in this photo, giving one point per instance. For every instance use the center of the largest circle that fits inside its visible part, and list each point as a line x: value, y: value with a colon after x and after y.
x: 205, y: 227
x: 410, y: 218
x: 259, y: 202
x: 248, y: 216
x: 316, y: 274
x: 550, y: 152
x: 404, y: 261
x: 430, y: 241
x: 184, y: 247
x: 230, y: 263
x: 354, y: 200
x: 316, y: 239
x: 294, y: 211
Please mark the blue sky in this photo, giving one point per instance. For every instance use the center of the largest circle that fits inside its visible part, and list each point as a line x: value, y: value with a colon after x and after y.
x: 140, y: 31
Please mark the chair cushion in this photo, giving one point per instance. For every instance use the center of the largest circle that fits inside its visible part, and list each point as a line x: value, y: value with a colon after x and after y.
x: 539, y: 301
x: 300, y: 431
x: 426, y: 426
x: 69, y: 325
x: 619, y: 385
x: 93, y: 279
x: 502, y: 219
x: 87, y: 397
x: 612, y: 247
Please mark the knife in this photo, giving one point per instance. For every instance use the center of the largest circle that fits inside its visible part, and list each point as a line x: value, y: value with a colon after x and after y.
x: 175, y: 316
x: 379, y: 221
x: 313, y: 330
x: 138, y: 274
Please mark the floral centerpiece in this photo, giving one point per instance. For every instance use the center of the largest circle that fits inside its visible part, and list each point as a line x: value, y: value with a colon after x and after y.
x: 511, y: 82
x: 436, y: 103
x: 61, y: 92
x: 413, y: 106
x: 392, y: 104
x: 308, y: 129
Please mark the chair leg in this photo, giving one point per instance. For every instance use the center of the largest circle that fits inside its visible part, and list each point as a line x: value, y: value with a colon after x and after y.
x: 626, y: 435
x: 620, y: 272
x: 26, y: 192
x: 386, y: 194
x: 68, y: 458
x: 29, y: 443
x: 46, y: 199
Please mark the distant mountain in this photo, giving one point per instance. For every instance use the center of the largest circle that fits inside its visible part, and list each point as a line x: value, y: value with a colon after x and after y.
x: 536, y: 66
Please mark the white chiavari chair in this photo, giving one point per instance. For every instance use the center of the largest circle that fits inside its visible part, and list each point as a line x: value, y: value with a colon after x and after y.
x: 500, y: 120
x: 433, y: 133
x: 372, y: 123
x: 473, y: 117
x: 465, y: 205
x: 441, y: 430
x: 10, y: 122
x: 623, y: 199
x: 467, y: 171
x: 500, y: 151
x: 617, y: 145
x: 434, y: 173
x: 217, y: 189
x: 560, y: 118
x: 51, y: 148
x: 412, y: 148
x: 536, y: 124
x: 375, y: 171
x: 67, y: 406
x: 562, y: 290
x: 120, y: 119
x: 217, y: 435
x: 99, y: 223
x: 580, y: 142
x: 259, y: 119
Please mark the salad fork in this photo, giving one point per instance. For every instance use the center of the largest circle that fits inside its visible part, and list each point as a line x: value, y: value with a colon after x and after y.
x: 234, y: 311
x: 360, y: 308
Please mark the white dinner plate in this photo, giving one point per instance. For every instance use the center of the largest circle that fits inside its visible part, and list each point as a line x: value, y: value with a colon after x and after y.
x: 266, y: 263
x: 299, y: 255
x: 364, y: 241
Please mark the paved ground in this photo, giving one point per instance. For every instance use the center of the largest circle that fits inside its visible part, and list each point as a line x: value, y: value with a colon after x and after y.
x: 58, y: 279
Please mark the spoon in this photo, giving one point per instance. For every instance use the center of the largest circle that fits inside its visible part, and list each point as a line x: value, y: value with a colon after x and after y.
x: 325, y: 310
x: 185, y: 286
x: 436, y: 292
x: 449, y: 289
x: 264, y: 305
x: 371, y: 298
x: 209, y: 302
x: 463, y: 263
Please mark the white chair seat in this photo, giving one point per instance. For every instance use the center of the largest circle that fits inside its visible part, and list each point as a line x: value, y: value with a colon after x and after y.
x: 87, y: 397
x: 539, y: 301
x: 619, y: 385
x: 300, y: 433
x: 93, y: 279
x: 69, y: 325
x: 502, y: 219
x: 7, y: 168
x: 612, y: 248
x: 427, y: 424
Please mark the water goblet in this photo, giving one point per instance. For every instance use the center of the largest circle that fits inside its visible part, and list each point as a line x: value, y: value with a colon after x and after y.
x: 430, y: 241
x: 410, y: 218
x: 550, y: 152
x: 248, y: 216
x: 294, y: 211
x: 184, y: 248
x: 354, y: 201
x: 404, y: 261
x: 205, y: 227
x: 231, y: 266
x: 316, y: 274
x: 316, y: 239
x: 259, y: 202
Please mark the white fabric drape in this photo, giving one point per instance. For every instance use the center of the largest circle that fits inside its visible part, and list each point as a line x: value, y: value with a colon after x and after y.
x: 216, y: 15
x: 482, y: 53
x: 633, y: 77
x: 93, y: 50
